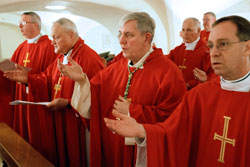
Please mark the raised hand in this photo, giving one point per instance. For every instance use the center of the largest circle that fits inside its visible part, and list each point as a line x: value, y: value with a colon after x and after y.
x: 73, y: 71
x: 19, y: 75
x: 200, y: 75
x: 125, y: 126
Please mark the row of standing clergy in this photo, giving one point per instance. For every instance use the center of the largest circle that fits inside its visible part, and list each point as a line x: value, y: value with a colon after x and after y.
x: 145, y: 84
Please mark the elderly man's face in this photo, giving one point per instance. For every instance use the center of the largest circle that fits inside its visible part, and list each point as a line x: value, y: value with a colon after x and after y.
x: 228, y: 55
x: 190, y: 32
x: 62, y: 39
x: 132, y: 41
x: 208, y: 21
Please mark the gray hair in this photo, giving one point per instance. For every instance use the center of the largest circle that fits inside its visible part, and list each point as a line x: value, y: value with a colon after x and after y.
x: 67, y: 24
x: 195, y: 21
x: 211, y: 14
x: 35, y: 18
x: 144, y: 22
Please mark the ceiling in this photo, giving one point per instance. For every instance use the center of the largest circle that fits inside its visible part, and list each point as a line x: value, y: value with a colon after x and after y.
x: 108, y: 12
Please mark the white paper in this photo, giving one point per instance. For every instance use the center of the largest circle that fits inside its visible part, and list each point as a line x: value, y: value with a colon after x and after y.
x: 16, y: 102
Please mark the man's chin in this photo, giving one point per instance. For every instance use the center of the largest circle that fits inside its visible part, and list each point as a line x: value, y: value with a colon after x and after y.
x: 56, y: 51
x: 126, y: 56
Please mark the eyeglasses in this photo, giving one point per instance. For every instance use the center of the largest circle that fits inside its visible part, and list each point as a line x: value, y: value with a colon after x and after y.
x: 24, y: 22
x: 222, y: 45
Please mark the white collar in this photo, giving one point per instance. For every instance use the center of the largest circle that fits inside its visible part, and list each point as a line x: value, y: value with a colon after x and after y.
x: 65, y: 60
x: 141, y: 60
x: 191, y: 46
x: 34, y: 40
x: 239, y: 85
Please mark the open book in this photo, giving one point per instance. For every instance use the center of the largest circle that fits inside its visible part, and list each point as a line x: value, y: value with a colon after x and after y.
x: 8, y: 65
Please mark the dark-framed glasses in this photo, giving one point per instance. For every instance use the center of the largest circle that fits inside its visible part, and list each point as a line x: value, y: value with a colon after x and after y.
x: 25, y: 22
x: 222, y: 45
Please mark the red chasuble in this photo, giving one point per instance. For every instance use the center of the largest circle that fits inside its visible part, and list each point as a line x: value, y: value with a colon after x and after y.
x: 32, y: 122
x: 187, y: 60
x: 154, y: 92
x: 116, y: 58
x: 204, y: 35
x: 210, y: 127
x: 70, y: 129
x: 6, y: 96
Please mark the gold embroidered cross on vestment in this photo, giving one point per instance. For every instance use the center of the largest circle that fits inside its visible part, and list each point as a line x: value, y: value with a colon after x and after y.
x: 224, y: 140
x: 26, y: 60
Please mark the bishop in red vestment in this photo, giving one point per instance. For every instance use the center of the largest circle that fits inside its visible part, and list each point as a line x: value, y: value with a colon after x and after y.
x: 70, y: 127
x: 191, y: 54
x: 67, y: 126
x: 204, y: 130
x: 32, y: 122
x: 210, y: 127
x: 188, y: 60
x: 144, y: 84
x: 208, y: 19
x: 154, y: 93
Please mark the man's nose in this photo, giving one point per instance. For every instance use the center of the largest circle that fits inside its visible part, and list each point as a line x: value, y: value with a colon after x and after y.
x: 20, y: 25
x: 214, y: 51
x: 122, y: 39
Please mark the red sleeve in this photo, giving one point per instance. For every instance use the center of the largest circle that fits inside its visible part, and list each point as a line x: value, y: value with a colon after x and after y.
x: 95, y: 123
x: 169, y: 143
x: 193, y: 83
x: 40, y: 85
x: 171, y: 55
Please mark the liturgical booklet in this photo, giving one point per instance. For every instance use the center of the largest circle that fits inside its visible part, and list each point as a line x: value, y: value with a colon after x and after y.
x: 8, y: 65
x: 16, y: 102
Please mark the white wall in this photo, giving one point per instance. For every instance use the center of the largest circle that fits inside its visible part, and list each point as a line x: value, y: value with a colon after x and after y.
x: 101, y: 40
x: 10, y: 37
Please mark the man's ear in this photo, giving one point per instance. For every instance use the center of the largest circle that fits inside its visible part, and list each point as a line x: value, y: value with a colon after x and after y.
x: 148, y: 37
x: 72, y: 35
x: 36, y: 25
x: 248, y: 47
x: 199, y: 30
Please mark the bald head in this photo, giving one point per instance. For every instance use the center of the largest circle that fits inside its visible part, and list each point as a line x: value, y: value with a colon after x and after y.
x: 191, y: 28
x: 64, y: 34
x: 67, y: 24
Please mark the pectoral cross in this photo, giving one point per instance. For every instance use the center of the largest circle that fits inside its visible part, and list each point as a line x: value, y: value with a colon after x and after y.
x: 57, y: 87
x: 26, y: 60
x: 224, y: 140
x: 181, y: 67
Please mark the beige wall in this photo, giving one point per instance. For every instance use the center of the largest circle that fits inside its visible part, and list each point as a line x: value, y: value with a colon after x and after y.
x: 10, y: 38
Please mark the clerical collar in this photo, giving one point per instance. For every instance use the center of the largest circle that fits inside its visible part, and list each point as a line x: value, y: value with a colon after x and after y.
x: 130, y: 64
x: 34, y: 40
x: 65, y: 60
x: 239, y: 85
x: 191, y: 46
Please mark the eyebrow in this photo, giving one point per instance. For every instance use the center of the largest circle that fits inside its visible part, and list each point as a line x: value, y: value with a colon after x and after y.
x: 221, y: 39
